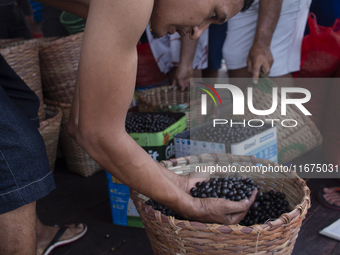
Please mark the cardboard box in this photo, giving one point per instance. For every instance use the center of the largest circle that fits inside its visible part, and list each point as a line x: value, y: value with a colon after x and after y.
x: 160, y: 145
x: 262, y: 145
x: 123, y: 210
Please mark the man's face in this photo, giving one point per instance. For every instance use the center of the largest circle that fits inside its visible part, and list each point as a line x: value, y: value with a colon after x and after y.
x: 191, y: 16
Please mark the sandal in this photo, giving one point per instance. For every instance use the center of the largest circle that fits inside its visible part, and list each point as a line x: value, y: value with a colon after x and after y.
x: 324, y: 202
x: 56, y: 243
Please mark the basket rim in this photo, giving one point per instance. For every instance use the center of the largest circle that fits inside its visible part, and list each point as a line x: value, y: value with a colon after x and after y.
x: 60, y: 41
x: 299, y: 211
x: 53, y: 103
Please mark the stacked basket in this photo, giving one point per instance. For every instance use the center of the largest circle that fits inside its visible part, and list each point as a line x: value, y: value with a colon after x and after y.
x: 171, y: 236
x: 59, y: 62
x: 23, y: 57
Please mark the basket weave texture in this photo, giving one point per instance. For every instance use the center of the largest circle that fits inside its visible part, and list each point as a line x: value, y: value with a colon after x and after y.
x: 59, y: 62
x: 77, y: 160
x: 49, y: 130
x: 293, y: 141
x: 171, y: 236
x: 24, y: 60
x: 170, y: 99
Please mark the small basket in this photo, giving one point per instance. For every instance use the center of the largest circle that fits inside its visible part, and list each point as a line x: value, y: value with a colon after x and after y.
x: 169, y: 99
x: 171, y: 236
x: 24, y: 60
x: 49, y: 130
x: 77, y: 160
x: 59, y: 62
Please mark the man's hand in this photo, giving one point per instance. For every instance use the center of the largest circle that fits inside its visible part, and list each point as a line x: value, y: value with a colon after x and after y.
x: 184, y: 70
x: 260, y: 59
x: 209, y: 210
x: 218, y: 210
x: 182, y: 76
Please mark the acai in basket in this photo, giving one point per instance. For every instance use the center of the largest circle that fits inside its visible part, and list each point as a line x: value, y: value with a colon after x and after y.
x: 277, y: 235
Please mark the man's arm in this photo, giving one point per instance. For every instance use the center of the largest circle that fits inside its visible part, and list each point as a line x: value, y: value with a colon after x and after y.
x: 184, y: 70
x: 106, y: 79
x: 260, y: 57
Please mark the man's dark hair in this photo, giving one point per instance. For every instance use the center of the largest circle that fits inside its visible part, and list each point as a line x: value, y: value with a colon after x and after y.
x: 247, y: 4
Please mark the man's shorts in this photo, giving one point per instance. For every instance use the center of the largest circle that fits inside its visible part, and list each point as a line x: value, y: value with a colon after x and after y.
x: 286, y: 42
x: 25, y: 174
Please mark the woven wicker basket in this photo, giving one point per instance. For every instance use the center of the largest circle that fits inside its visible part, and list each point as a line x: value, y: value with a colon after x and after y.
x: 171, y: 236
x: 49, y: 130
x: 24, y: 60
x: 59, y: 62
x: 170, y: 99
x: 77, y: 160
x: 291, y: 142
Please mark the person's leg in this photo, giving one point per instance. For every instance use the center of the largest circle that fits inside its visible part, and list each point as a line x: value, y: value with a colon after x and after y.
x: 45, y: 234
x: 206, y: 73
x: 25, y: 175
x: 24, y: 169
x: 331, y: 196
x: 18, y: 231
x: 217, y: 35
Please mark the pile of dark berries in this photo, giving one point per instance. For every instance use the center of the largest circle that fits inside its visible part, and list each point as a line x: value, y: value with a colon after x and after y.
x: 148, y: 123
x: 233, y: 189
x: 268, y: 205
x: 226, y: 133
